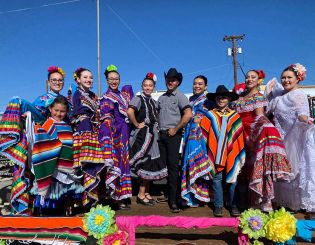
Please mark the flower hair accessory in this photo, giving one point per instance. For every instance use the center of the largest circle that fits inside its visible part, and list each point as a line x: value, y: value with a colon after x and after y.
x: 111, y: 68
x: 151, y: 76
x: 300, y: 71
x: 52, y: 69
x: 75, y: 74
x: 261, y: 76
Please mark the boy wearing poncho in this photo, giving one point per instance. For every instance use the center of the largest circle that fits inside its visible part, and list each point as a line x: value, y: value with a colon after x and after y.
x: 223, y: 131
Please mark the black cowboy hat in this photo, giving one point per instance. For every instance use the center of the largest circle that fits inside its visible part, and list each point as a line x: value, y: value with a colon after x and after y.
x: 222, y: 91
x: 173, y: 73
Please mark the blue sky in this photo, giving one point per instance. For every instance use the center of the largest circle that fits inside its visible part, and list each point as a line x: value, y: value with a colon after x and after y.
x: 140, y: 36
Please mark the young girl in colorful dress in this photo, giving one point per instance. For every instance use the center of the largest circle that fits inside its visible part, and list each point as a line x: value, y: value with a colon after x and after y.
x: 196, y: 165
x: 266, y: 160
x: 144, y: 151
x: 290, y: 108
x: 87, y: 151
x: 52, y: 161
x: 114, y: 138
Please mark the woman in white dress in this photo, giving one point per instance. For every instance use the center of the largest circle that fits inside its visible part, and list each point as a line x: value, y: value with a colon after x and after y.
x: 290, y: 108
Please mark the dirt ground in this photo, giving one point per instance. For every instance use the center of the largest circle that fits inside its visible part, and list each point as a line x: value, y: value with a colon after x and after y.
x: 170, y: 235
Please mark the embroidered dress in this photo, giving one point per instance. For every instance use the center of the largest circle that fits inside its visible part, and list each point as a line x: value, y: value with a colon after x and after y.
x: 21, y: 183
x: 87, y: 152
x: 42, y: 103
x: 145, y: 161
x: 196, y: 167
x: 52, y: 164
x: 266, y: 157
x: 299, y: 140
x: 10, y: 124
x: 114, y: 139
x: 225, y: 142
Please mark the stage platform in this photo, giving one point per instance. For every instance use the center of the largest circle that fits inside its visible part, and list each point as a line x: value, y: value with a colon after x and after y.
x: 164, y: 235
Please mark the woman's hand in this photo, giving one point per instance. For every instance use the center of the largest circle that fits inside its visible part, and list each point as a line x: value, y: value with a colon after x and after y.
x: 271, y: 84
x: 140, y: 125
x: 305, y: 119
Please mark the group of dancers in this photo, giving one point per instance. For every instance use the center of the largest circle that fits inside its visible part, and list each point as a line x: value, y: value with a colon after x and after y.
x: 80, y: 150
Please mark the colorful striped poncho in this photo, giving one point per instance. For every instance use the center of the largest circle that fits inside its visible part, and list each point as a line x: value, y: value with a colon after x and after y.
x: 225, y: 141
x: 52, y: 151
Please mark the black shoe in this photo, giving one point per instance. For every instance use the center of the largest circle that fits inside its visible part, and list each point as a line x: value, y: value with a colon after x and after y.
x: 141, y: 201
x: 234, y: 212
x: 151, y: 200
x: 174, y: 208
x: 123, y: 206
x: 218, y: 212
x: 162, y: 199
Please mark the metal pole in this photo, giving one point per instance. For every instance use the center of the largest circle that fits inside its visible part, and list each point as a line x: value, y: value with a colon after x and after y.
x: 98, y: 50
x: 233, y: 39
x: 234, y: 61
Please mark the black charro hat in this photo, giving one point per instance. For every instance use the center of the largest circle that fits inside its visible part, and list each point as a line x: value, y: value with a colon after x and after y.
x: 173, y: 73
x: 222, y: 91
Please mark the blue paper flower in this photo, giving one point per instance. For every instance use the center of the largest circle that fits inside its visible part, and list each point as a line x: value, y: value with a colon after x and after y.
x: 99, y: 222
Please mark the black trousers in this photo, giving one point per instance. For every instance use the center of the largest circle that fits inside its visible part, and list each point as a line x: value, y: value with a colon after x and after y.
x: 169, y: 151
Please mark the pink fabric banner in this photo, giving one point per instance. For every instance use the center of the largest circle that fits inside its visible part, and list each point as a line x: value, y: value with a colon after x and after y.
x: 130, y: 223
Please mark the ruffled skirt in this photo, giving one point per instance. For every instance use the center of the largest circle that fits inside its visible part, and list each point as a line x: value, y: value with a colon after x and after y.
x: 300, y: 193
x: 267, y: 162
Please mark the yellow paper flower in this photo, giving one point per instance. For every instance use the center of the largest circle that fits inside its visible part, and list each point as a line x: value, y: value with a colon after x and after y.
x: 281, y: 227
x: 61, y: 71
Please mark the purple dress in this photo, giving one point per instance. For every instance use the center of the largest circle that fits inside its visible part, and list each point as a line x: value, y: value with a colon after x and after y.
x: 114, y: 139
x: 87, y: 153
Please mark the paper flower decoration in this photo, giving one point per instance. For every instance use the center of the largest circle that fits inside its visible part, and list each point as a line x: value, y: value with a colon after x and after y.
x: 253, y: 222
x: 53, y: 69
x: 75, y: 76
x: 300, y: 70
x: 99, y: 222
x: 151, y: 76
x: 281, y: 226
x: 111, y: 68
x: 257, y: 243
x: 118, y: 238
x: 261, y: 74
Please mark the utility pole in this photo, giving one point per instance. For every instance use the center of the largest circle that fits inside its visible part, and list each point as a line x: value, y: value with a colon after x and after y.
x: 234, y: 51
x: 98, y: 49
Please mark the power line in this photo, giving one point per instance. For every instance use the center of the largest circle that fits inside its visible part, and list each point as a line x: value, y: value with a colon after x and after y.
x: 136, y: 35
x: 41, y: 6
x: 206, y: 69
